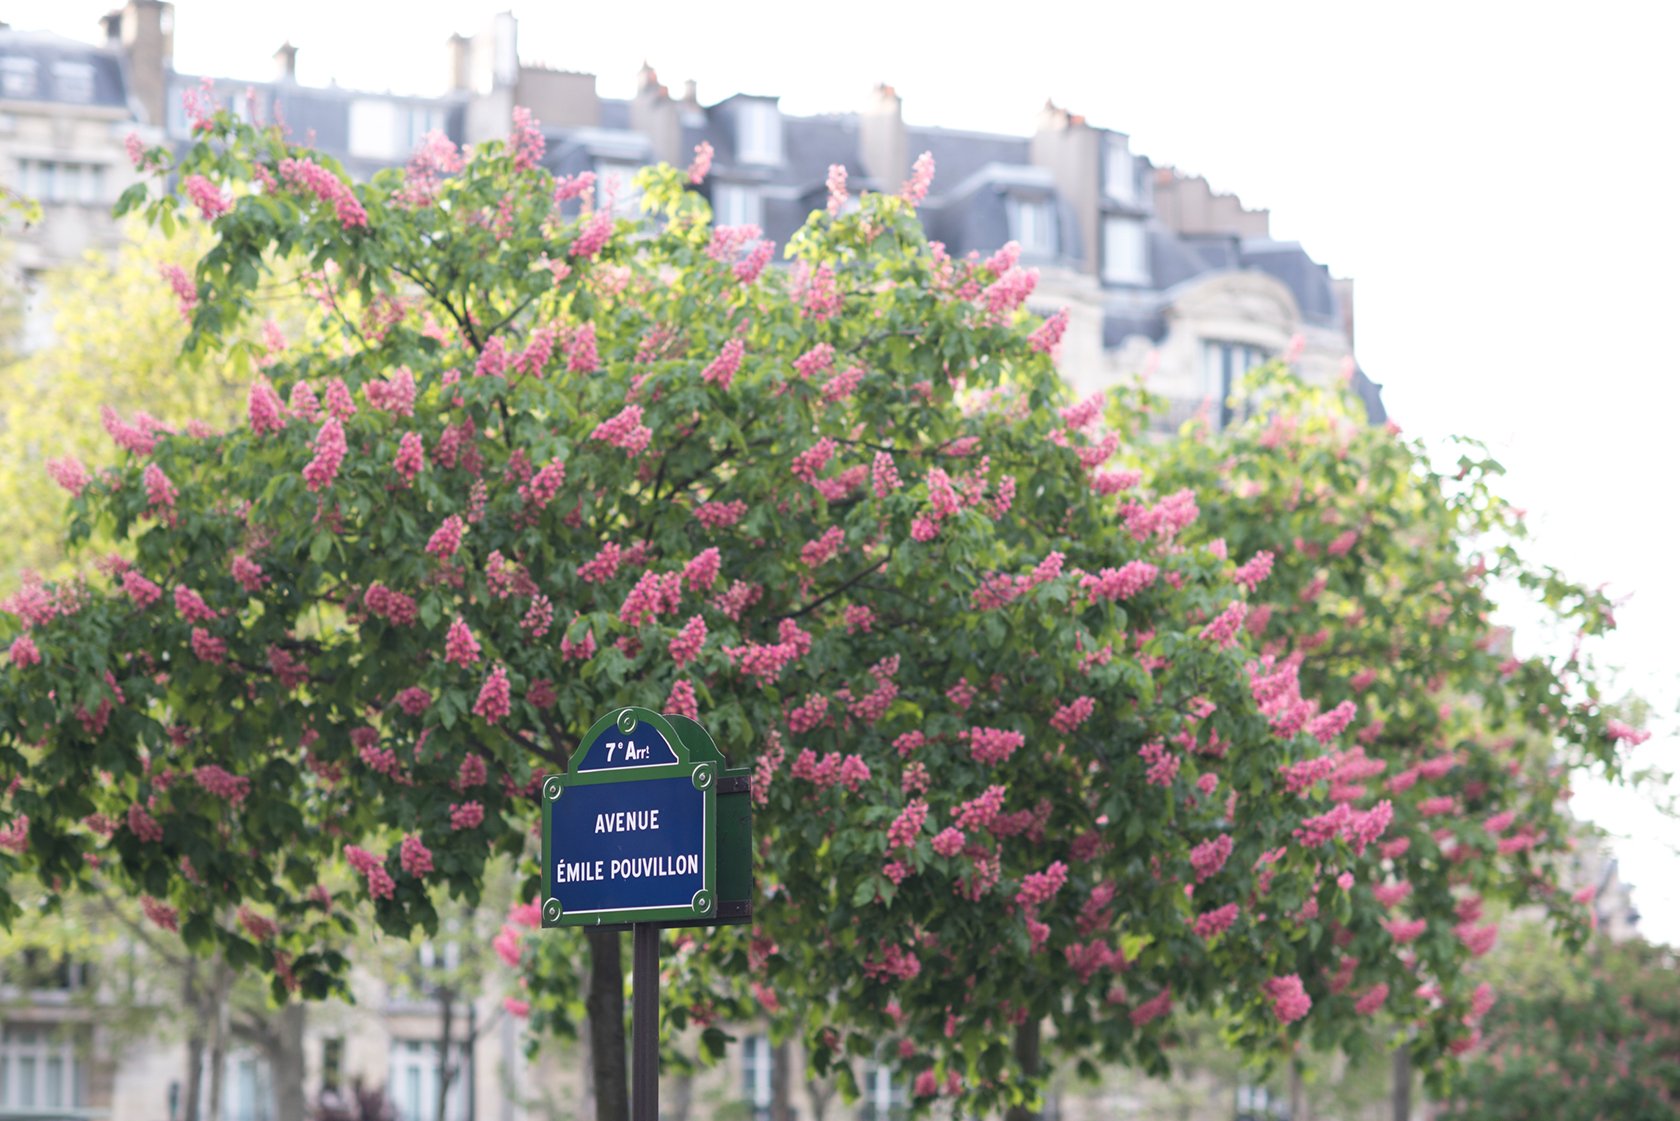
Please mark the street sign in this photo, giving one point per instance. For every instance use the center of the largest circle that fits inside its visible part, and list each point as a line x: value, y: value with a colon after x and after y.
x: 630, y: 832
x: 647, y: 828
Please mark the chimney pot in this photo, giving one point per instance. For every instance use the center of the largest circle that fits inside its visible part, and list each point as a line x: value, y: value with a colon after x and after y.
x: 285, y: 63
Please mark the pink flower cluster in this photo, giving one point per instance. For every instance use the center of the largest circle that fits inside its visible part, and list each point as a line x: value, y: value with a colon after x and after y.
x: 379, y: 881
x: 459, y: 644
x: 682, y: 701
x: 526, y: 140
x: 185, y: 290
x: 1289, y: 998
x: 721, y: 370
x: 1211, y: 924
x: 69, y: 473
x: 1258, y: 567
x: 817, y: 552
x: 1119, y: 583
x: 1039, y: 887
x: 416, y: 858
x: 465, y: 815
x: 446, y: 539
x: 1071, y: 715
x: 907, y: 826
x: 1049, y: 333
x: 720, y: 515
x: 159, y: 490
x: 1163, y: 764
x: 143, y: 825
x: 23, y: 652
x: 915, y: 188
x: 161, y: 914
x: 211, y: 201
x: 831, y: 769
x: 1222, y: 631
x: 993, y: 746
x: 231, y: 788
x: 655, y: 594
x: 330, y: 449
x: 701, y: 572
x: 311, y: 177
x: 836, y: 184
x: 626, y: 431
x: 701, y: 164
x: 1210, y: 856
x: 688, y: 643
x: 494, y: 697
x: 395, y: 607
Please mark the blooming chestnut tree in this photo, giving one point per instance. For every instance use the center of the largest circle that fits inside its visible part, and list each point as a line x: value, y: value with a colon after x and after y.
x: 1372, y: 578
x: 1015, y: 762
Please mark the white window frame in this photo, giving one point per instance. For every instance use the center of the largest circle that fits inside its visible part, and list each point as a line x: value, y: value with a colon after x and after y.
x: 757, y: 1063
x: 884, y: 1097
x: 1032, y: 223
x: 416, y: 1070
x: 73, y: 81
x: 1224, y: 362
x: 758, y: 132
x: 248, y: 1089
x: 373, y: 129
x: 421, y: 119
x: 39, y: 1049
x: 737, y: 204
x: 1125, y: 258
x: 19, y: 77
x: 1119, y: 172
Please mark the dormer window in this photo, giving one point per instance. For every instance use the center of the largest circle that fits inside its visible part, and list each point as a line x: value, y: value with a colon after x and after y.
x: 1032, y: 223
x: 1125, y: 251
x: 1119, y: 173
x: 736, y: 204
x: 758, y: 132
x: 73, y: 81
x: 18, y: 77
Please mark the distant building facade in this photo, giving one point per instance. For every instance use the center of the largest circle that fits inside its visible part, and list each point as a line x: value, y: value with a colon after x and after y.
x: 1159, y: 273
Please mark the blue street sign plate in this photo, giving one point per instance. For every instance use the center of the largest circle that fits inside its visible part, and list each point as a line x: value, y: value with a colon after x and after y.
x: 630, y: 831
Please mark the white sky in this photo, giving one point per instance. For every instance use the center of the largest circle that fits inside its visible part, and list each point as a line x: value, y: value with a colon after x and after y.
x: 1498, y: 177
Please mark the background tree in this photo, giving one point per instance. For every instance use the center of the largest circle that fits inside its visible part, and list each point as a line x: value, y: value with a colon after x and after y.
x: 1577, y: 1038
x: 1376, y: 576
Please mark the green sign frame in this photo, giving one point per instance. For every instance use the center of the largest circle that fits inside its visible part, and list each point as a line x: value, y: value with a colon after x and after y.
x: 703, y: 767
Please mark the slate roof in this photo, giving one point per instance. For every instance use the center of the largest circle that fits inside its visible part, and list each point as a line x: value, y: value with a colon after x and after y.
x: 54, y: 69
x: 968, y: 209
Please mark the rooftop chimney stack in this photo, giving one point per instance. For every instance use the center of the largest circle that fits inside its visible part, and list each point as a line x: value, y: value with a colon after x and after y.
x: 1071, y: 151
x: 146, y: 34
x: 655, y: 116
x: 285, y: 63
x: 459, y: 57
x: 883, y: 144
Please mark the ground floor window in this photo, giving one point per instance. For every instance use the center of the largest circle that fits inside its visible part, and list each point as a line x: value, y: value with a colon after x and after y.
x: 39, y: 1068
x: 416, y: 1076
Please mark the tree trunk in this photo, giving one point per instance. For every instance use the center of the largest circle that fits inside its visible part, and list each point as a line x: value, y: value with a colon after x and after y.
x: 195, y: 1075
x: 1027, y: 1053
x: 217, y: 1008
x: 1403, y: 1083
x: 605, y: 1005
x: 286, y: 1061
x: 821, y: 1092
x: 1296, y: 1094
x: 446, y: 1057
x: 781, y: 1082
x: 195, y: 1047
